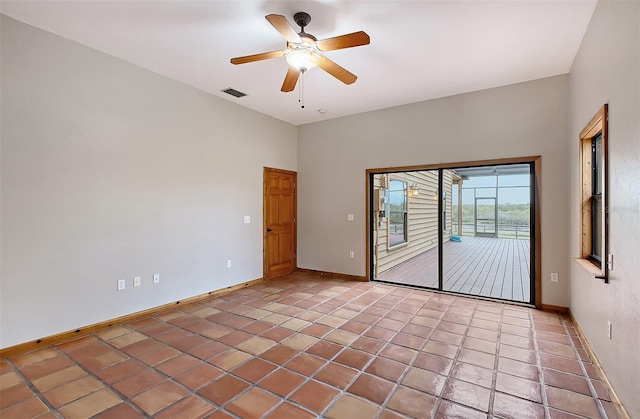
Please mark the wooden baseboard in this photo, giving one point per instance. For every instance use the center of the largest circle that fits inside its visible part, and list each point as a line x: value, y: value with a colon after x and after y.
x: 85, y: 330
x: 334, y: 275
x: 558, y: 309
x: 622, y: 412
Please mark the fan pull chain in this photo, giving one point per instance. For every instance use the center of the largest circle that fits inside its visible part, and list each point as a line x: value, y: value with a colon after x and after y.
x: 301, y: 90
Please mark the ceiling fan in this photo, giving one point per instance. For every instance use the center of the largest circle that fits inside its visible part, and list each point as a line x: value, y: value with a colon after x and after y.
x: 304, y: 51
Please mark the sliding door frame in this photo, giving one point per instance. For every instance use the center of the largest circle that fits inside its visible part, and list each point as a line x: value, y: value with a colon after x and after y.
x: 536, y: 238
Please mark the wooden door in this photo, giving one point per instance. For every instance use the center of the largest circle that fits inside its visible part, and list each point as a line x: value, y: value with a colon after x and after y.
x: 279, y: 222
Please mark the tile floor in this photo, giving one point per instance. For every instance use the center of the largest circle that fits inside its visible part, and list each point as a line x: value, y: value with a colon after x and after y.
x: 305, y: 346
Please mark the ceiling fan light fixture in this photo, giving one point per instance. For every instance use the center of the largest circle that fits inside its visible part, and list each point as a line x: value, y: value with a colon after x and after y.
x: 303, y: 59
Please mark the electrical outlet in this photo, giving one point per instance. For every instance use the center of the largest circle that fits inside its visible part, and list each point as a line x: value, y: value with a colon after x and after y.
x: 156, y: 278
x: 137, y: 281
x: 228, y: 264
x: 247, y: 219
x: 609, y: 329
x: 351, y: 254
x: 121, y: 284
x: 554, y: 277
x: 349, y: 217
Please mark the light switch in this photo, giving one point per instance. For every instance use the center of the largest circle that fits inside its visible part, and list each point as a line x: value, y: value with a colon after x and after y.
x: 349, y: 217
x: 247, y: 219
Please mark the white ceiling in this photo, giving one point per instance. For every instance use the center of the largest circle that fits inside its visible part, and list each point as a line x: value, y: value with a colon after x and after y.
x: 419, y: 49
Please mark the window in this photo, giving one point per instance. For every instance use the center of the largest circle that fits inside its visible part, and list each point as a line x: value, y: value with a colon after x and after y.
x: 593, y: 162
x: 397, y: 210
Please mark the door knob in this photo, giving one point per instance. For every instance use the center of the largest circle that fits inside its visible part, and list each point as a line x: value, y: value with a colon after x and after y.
x: 269, y: 230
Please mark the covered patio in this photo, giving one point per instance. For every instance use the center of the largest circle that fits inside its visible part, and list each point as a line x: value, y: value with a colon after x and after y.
x: 484, y: 266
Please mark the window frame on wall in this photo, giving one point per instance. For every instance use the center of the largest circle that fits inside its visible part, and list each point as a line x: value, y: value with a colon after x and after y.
x: 594, y: 204
x: 403, y: 212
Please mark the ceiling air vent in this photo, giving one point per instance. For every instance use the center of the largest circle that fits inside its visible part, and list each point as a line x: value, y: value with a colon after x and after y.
x: 234, y: 92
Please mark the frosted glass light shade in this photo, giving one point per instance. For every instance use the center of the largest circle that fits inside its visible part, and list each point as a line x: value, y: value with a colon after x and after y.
x: 303, y: 59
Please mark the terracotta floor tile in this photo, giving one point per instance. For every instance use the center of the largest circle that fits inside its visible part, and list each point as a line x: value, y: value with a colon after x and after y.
x: 90, y: 405
x: 282, y: 382
x: 223, y: 390
x: 35, y: 357
x: 473, y: 374
x: 514, y: 340
x: 394, y: 345
x: 572, y: 402
x: 199, y: 376
x: 557, y: 349
x: 189, y: 407
x: 254, y: 403
x: 353, y: 358
x: 29, y: 408
x: 59, y: 378
x: 279, y: 354
x: 386, y: 368
x: 159, y: 397
x: 161, y: 355
x: 412, y: 403
x: 254, y: 370
x: 315, y: 396
x: 300, y: 341
x: 351, y: 407
x: 467, y: 394
x: 289, y: 411
x: 518, y: 368
x: 398, y: 353
x: 121, y: 371
x: 440, y: 348
x: 178, y: 364
x: 481, y: 359
x: 341, y: 337
x: 507, y: 406
x: 230, y: 359
x: 434, y: 363
x: 305, y: 364
x: 519, y: 387
x: 48, y: 366
x: 317, y: 330
x: 447, y: 337
x: 324, y: 349
x: 73, y: 390
x: 9, y: 379
x: 138, y: 383
x: 448, y: 410
x: 120, y: 411
x: 518, y: 354
x: 14, y: 395
x: 372, y: 388
x: 575, y: 383
x: 336, y: 375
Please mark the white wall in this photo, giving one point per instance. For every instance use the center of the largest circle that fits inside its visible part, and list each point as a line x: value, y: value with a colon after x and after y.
x: 525, y: 119
x: 607, y: 70
x: 110, y: 171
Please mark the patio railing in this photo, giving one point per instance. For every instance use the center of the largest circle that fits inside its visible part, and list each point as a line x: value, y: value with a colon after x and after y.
x: 507, y: 231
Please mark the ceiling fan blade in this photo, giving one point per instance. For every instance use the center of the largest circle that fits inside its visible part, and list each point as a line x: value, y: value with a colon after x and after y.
x: 282, y: 25
x: 355, y: 39
x: 336, y: 71
x: 290, y: 79
x: 257, y: 57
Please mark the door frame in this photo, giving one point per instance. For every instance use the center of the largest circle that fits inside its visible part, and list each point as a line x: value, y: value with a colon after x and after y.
x: 264, y: 217
x: 536, y: 257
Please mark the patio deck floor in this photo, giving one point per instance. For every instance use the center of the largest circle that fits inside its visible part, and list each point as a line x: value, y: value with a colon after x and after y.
x: 483, y: 266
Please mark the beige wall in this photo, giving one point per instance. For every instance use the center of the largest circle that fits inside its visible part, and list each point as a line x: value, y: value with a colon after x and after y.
x: 110, y: 171
x: 607, y: 70
x: 524, y: 119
